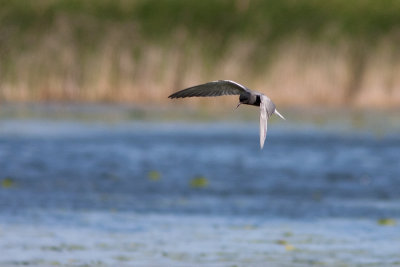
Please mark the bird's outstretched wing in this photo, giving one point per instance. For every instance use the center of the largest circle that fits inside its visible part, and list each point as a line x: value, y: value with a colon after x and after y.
x: 216, y: 88
x: 267, y: 108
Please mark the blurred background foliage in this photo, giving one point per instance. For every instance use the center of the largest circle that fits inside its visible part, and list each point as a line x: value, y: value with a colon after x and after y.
x: 332, y: 52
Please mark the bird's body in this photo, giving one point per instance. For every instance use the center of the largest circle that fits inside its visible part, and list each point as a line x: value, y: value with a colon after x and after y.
x: 246, y: 96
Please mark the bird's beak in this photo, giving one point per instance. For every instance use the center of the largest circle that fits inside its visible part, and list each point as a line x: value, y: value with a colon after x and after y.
x: 238, y: 105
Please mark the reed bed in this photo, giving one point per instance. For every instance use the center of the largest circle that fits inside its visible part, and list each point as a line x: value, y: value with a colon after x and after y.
x: 302, y: 53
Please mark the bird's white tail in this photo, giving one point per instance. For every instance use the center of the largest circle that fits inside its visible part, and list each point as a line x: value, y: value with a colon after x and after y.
x: 279, y: 114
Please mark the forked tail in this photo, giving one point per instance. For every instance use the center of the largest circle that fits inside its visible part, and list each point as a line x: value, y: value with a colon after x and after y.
x: 279, y: 114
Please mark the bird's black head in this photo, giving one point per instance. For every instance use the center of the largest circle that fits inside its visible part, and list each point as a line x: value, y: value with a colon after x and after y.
x: 244, y: 98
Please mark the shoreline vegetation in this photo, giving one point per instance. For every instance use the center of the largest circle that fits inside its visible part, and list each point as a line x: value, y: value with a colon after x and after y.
x: 300, y: 53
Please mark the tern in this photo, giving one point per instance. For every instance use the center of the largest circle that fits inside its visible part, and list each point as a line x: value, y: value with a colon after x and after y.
x: 246, y: 96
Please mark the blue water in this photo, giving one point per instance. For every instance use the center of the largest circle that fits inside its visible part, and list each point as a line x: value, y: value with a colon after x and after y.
x: 321, y: 191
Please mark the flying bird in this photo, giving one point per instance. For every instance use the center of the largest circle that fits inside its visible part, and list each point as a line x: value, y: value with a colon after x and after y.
x: 246, y: 96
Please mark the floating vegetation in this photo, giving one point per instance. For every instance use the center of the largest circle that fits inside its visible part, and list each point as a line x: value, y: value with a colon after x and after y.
x: 288, y: 234
x: 7, y: 182
x: 199, y: 182
x: 289, y: 247
x: 249, y: 227
x: 64, y: 247
x: 387, y: 222
x: 286, y: 244
x: 281, y: 242
x: 154, y: 175
x: 174, y: 256
x: 122, y: 258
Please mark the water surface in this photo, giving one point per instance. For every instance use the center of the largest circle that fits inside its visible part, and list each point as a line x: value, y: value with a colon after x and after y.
x: 201, y: 194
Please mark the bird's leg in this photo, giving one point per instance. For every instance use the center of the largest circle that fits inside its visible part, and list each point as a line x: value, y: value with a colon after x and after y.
x: 238, y: 105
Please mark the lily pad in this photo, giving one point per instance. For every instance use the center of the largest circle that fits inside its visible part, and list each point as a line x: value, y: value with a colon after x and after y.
x: 387, y: 222
x: 289, y: 247
x: 286, y: 244
x: 199, y: 182
x: 281, y: 242
x: 154, y: 175
x: 122, y: 258
x: 7, y: 182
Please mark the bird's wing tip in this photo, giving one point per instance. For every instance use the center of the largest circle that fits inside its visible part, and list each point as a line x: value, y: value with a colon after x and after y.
x: 173, y: 96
